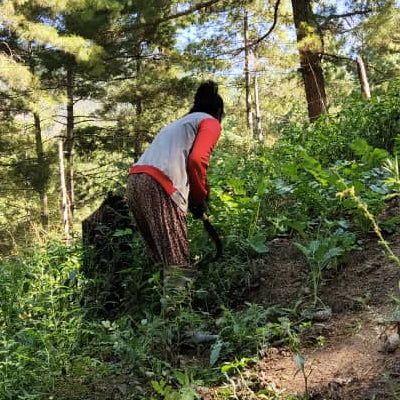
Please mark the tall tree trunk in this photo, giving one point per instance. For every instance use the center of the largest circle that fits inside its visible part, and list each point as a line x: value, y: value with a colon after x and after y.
x: 362, y: 74
x: 139, y: 133
x: 64, y: 196
x: 310, y: 62
x: 41, y: 185
x: 69, y: 144
x: 42, y: 166
x: 258, y: 110
x: 249, y: 114
x: 139, y: 110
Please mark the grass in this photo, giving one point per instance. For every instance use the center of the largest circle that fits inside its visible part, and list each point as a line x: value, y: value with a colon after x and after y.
x: 52, y: 346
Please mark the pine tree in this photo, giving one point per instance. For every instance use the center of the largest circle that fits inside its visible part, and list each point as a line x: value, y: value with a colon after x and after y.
x: 26, y: 41
x: 310, y: 49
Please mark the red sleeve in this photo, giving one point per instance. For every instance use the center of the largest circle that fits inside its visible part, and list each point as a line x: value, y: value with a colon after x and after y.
x: 207, y: 136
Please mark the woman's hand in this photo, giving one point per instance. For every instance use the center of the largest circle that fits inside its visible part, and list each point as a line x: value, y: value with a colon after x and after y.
x: 198, y: 211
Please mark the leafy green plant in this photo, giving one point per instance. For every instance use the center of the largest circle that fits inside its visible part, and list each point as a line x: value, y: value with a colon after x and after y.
x: 167, y: 392
x: 393, y: 180
x: 248, y: 332
x: 39, y: 319
x: 301, y: 367
x: 350, y: 192
x: 324, y: 254
x: 375, y: 121
x: 370, y: 156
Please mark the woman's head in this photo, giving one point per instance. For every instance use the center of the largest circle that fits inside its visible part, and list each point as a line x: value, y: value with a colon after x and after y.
x: 208, y: 100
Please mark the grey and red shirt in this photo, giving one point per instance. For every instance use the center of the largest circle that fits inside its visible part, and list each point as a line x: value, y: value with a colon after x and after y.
x: 178, y: 158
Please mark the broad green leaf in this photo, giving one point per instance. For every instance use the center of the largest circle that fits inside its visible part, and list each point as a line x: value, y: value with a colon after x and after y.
x: 227, y: 367
x: 215, y: 352
x: 332, y: 253
x: 188, y: 393
x: 300, y: 361
x: 258, y: 244
x: 379, y: 189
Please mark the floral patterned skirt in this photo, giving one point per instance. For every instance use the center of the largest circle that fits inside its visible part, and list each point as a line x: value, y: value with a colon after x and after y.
x: 161, y: 222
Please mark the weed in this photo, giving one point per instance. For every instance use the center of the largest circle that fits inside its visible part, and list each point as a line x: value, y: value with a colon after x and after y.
x: 350, y: 191
x: 300, y: 363
x: 325, y: 253
x: 185, y: 392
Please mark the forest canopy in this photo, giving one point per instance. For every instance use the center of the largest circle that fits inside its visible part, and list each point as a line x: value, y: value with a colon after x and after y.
x: 101, y: 78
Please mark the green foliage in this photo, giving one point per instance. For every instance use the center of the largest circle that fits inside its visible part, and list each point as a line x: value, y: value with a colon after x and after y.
x: 325, y: 253
x: 117, y: 273
x: 39, y: 319
x: 370, y: 157
x: 258, y: 194
x: 289, y: 191
x: 46, y: 337
x: 167, y: 392
x: 376, y: 121
x: 37, y: 175
x: 248, y: 332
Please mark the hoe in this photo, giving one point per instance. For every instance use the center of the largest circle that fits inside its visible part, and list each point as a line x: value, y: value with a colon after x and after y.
x: 213, y: 234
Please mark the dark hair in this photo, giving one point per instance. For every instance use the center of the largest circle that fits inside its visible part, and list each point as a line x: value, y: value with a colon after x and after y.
x: 208, y: 100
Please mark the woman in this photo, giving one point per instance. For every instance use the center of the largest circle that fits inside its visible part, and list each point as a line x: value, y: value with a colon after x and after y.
x: 171, y: 177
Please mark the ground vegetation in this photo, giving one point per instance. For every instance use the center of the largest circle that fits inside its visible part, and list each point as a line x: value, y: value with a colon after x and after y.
x: 303, y: 304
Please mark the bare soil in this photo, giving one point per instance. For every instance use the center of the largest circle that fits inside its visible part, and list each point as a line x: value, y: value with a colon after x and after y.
x: 349, y: 364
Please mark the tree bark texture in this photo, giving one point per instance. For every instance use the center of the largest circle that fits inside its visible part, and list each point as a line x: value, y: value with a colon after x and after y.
x: 69, y: 144
x: 310, y: 63
x: 258, y: 110
x: 139, y: 110
x: 362, y: 74
x: 64, y: 196
x: 42, y: 166
x: 249, y: 115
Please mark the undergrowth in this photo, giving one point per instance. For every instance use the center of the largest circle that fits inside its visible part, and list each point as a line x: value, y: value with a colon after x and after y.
x: 54, y: 342
x: 50, y: 340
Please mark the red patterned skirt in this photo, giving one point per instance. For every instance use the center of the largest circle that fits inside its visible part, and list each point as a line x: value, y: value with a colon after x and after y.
x: 161, y: 222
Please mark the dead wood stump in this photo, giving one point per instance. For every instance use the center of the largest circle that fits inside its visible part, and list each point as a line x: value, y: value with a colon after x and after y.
x: 107, y: 236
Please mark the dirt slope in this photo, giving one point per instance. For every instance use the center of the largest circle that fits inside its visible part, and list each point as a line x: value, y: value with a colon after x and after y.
x: 349, y: 365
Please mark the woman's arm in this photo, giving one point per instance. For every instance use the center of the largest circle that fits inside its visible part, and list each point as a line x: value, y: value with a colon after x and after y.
x: 207, y: 136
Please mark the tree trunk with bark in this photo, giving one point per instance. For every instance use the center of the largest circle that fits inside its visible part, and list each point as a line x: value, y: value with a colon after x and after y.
x: 362, y: 74
x: 260, y: 134
x: 309, y: 46
x: 69, y: 145
x: 139, y: 109
x: 64, y: 196
x: 42, y: 166
x: 249, y: 115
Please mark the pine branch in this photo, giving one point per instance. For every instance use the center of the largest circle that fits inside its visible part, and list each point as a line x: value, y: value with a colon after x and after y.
x: 10, y: 110
x: 177, y: 15
x: 255, y: 43
x: 86, y: 120
x: 12, y: 189
x: 331, y: 17
x: 349, y: 59
x: 337, y: 57
x: 260, y: 39
x: 190, y: 10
